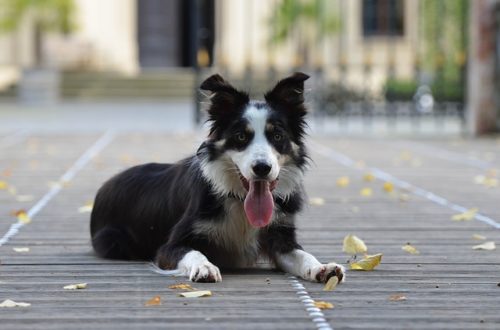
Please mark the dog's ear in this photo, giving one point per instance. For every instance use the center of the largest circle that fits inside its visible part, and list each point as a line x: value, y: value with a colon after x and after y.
x: 223, y: 92
x: 289, y: 91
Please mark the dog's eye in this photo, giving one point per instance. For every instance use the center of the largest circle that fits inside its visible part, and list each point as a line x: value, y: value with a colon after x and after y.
x: 277, y: 137
x: 242, y: 137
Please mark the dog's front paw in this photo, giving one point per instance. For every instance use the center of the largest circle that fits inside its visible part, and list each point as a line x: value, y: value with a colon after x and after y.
x: 205, y: 272
x: 324, y: 272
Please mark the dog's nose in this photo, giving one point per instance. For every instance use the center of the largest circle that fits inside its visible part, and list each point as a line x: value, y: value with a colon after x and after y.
x: 261, y: 169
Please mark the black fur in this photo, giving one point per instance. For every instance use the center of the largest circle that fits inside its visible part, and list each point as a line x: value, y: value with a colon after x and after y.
x: 149, y: 211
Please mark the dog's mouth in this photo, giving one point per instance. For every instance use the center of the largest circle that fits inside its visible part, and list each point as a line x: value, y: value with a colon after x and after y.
x: 259, y: 202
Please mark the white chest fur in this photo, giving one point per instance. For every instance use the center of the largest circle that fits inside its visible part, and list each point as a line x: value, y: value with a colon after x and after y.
x: 233, y: 233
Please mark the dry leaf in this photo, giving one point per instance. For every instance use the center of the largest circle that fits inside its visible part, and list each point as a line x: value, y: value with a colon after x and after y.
x: 343, y: 181
x: 316, y: 201
x: 410, y: 249
x: 196, y: 294
x: 465, y: 216
x: 181, y: 286
x: 478, y: 237
x: 354, y: 245
x: 367, y: 263
x: 491, y: 182
x: 331, y: 284
x: 12, y: 303
x: 3, y: 185
x: 388, y: 187
x: 366, y: 192
x: 78, y: 286
x: 397, y: 297
x: 22, y: 217
x: 155, y: 301
x: 323, y: 305
x: 369, y: 177
x: 489, y: 246
x: 86, y: 208
x: 21, y: 249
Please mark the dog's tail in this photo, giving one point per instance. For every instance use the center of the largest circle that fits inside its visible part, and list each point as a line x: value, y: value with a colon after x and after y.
x: 113, y: 243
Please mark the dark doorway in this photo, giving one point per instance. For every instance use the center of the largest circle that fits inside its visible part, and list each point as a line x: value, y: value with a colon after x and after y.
x: 171, y: 32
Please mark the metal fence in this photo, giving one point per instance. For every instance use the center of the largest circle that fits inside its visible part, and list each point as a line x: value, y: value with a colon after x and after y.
x: 375, y: 63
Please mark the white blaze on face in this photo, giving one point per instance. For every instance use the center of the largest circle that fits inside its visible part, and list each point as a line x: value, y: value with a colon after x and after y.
x: 259, y: 148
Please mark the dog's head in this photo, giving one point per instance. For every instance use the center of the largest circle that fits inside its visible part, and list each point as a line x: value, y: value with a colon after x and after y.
x: 255, y: 148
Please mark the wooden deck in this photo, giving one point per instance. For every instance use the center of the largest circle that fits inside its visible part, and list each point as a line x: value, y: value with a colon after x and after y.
x: 447, y: 286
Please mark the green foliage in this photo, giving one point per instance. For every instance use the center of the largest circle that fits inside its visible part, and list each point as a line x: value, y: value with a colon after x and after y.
x: 291, y: 15
x: 49, y: 15
x: 442, y: 90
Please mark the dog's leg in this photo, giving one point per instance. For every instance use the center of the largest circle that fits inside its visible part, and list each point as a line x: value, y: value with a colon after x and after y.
x: 190, y: 263
x: 305, y: 265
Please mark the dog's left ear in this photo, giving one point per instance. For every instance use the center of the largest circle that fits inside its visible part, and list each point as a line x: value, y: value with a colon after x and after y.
x: 223, y: 92
x: 289, y: 91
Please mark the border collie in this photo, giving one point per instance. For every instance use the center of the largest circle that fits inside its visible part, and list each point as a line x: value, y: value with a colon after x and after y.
x: 231, y: 203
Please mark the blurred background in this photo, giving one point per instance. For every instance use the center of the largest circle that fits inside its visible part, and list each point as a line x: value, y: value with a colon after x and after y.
x: 377, y: 66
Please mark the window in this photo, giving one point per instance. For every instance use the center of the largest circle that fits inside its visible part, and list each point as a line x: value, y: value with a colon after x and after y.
x: 383, y: 18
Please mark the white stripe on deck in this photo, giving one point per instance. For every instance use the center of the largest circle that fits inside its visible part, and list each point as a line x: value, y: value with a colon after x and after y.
x: 382, y: 175
x: 77, y: 166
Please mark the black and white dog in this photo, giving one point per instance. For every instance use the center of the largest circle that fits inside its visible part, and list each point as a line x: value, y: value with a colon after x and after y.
x: 232, y: 202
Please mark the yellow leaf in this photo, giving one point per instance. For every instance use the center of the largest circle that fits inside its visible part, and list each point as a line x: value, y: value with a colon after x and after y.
x: 331, y: 284
x: 367, y: 263
x: 12, y: 303
x: 3, y: 185
x: 410, y: 249
x: 23, y: 217
x: 388, y: 187
x: 323, y: 305
x: 155, y: 301
x: 491, y: 182
x: 181, y: 286
x: 86, y: 208
x: 397, y: 297
x: 343, y: 181
x: 369, y: 177
x: 78, y: 286
x: 317, y: 201
x: 465, y: 216
x: 478, y: 237
x: 21, y: 249
x: 353, y: 245
x: 489, y: 246
x: 196, y: 294
x: 366, y: 192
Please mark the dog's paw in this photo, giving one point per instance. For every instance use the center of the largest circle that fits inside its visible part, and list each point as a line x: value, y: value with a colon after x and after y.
x: 324, y: 272
x: 205, y: 272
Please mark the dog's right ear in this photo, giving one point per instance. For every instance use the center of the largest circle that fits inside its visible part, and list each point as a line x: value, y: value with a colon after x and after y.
x: 223, y: 92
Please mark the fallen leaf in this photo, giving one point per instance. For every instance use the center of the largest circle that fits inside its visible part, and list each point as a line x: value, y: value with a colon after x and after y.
x: 369, y: 177
x: 86, y: 208
x: 366, y: 192
x: 405, y: 155
x: 397, y: 297
x: 331, y: 284
x: 489, y: 246
x: 367, y: 263
x: 155, y: 301
x: 24, y: 198
x: 343, y: 181
x: 465, y: 216
x: 478, y: 237
x: 353, y: 245
x: 78, y: 286
x: 12, y: 303
x: 12, y: 190
x: 181, y: 286
x: 22, y: 217
x: 21, y: 249
x: 410, y: 249
x: 323, y: 305
x: 316, y: 201
x: 404, y: 197
x: 3, y: 185
x: 491, y: 182
x: 479, y: 179
x: 196, y: 294
x: 388, y: 187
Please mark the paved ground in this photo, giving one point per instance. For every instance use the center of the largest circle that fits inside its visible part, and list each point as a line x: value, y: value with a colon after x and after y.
x: 447, y: 286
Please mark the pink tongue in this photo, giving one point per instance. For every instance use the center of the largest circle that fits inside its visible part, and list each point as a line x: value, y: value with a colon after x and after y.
x: 259, y: 203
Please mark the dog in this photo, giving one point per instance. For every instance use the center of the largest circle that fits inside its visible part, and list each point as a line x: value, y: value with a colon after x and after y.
x: 232, y: 202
